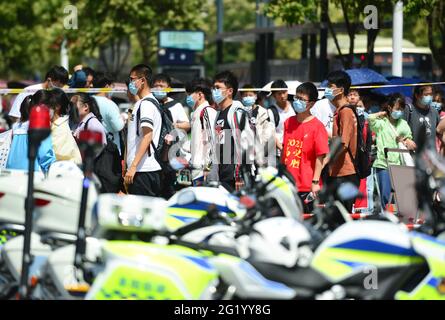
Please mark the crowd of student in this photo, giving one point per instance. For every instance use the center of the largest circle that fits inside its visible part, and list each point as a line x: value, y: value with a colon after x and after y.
x: 295, y: 131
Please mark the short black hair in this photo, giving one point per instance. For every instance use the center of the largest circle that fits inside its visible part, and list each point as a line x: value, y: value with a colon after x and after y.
x: 102, y: 79
x: 418, y: 90
x: 89, y: 72
x: 279, y: 84
x: 162, y: 77
x: 341, y: 79
x: 309, y: 89
x: 229, y: 79
x: 248, y: 86
x: 58, y: 73
x: 200, y: 85
x: 143, y: 71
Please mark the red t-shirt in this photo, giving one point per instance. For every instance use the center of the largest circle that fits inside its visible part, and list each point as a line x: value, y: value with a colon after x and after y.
x: 303, y: 143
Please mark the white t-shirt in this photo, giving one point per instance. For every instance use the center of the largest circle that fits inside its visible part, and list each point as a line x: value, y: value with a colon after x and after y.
x: 15, y: 109
x: 202, y: 140
x: 324, y: 111
x: 178, y: 112
x: 284, y: 115
x: 150, y: 118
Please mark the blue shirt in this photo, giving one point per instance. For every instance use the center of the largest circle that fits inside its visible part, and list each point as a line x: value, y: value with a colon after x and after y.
x: 18, y: 154
x: 111, y: 118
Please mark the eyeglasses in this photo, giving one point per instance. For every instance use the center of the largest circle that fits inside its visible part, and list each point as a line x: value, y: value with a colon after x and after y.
x: 300, y: 98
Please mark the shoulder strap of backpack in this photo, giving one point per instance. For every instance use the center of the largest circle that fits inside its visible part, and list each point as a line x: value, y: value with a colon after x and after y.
x: 255, y: 111
x: 170, y: 104
x: 138, y: 113
x: 85, y: 127
x: 410, y: 112
x: 276, y: 116
x: 138, y: 119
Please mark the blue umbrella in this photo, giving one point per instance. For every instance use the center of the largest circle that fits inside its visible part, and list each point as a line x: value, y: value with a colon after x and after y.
x: 362, y: 76
x: 406, y: 91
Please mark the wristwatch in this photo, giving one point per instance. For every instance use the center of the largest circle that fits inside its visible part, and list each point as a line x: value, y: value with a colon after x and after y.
x: 315, y: 181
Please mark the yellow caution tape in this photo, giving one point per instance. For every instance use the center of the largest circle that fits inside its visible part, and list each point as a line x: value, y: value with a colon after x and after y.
x: 178, y: 90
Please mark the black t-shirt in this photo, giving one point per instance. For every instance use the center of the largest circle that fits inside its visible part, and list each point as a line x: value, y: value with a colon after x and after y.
x: 429, y: 117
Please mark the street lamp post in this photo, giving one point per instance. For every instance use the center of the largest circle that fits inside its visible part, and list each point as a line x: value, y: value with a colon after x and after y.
x: 397, y: 40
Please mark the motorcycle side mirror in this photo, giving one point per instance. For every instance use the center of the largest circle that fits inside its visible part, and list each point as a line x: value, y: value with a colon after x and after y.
x: 347, y: 191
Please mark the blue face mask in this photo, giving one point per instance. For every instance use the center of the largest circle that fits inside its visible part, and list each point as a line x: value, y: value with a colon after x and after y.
x: 190, y: 101
x: 299, y: 106
x: 437, y: 106
x: 160, y: 95
x: 249, y: 101
x: 396, y: 115
x: 217, y: 96
x: 361, y: 112
x: 426, y: 100
x: 329, y: 94
x: 132, y: 88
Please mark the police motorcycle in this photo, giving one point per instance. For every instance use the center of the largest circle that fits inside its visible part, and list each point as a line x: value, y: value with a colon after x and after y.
x: 368, y: 259
x: 114, y: 222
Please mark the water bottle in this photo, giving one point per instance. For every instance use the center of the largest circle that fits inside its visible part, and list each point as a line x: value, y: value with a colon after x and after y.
x: 310, y: 197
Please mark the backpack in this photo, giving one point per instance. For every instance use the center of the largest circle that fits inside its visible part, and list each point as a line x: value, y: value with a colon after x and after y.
x: 276, y: 116
x: 108, y: 166
x: 362, y: 161
x: 160, y: 152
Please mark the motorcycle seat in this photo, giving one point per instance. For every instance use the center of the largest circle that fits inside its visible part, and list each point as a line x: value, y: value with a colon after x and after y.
x: 296, y: 277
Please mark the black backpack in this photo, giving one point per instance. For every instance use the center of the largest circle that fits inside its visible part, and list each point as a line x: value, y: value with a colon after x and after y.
x: 161, y: 152
x: 362, y: 161
x: 276, y: 116
x: 108, y: 166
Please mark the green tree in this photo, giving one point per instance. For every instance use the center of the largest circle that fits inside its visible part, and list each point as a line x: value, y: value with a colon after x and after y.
x: 433, y: 13
x: 18, y: 41
x: 114, y: 25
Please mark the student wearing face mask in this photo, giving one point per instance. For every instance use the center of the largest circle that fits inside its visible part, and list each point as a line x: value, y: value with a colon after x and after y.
x: 258, y: 116
x: 202, y: 128
x: 56, y: 77
x: 421, y: 113
x: 439, y: 102
x: 345, y: 126
x: 305, y: 144
x: 108, y: 109
x: 230, y: 128
x: 365, y: 204
x: 178, y: 115
x: 262, y: 128
x: 279, y: 111
x: 390, y: 128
